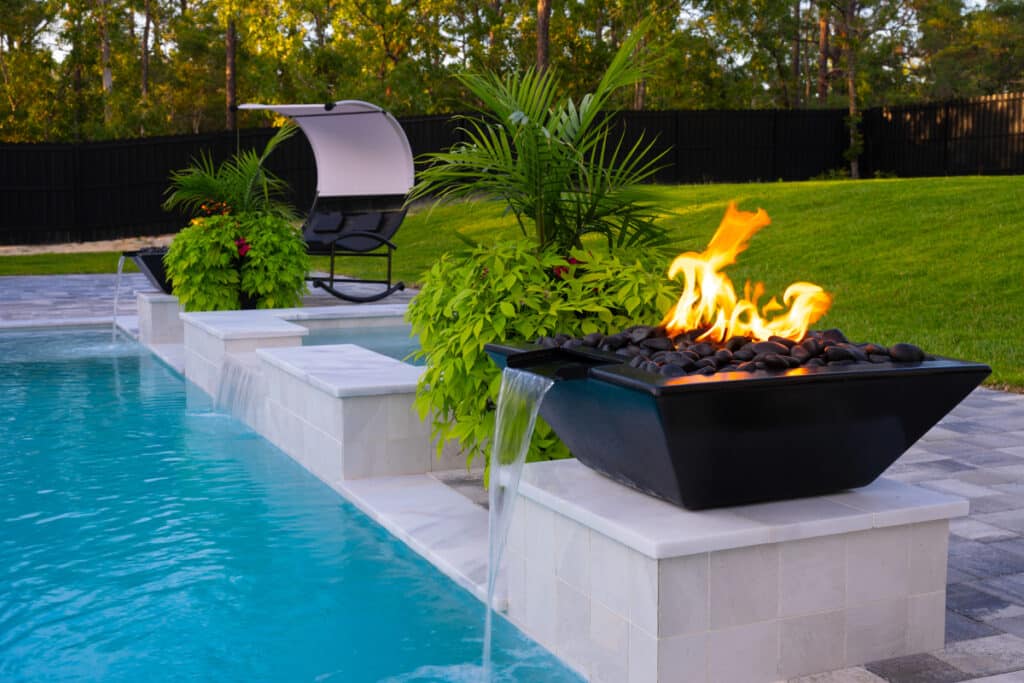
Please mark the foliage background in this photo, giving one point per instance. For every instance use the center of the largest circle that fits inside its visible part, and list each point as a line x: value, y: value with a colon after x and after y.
x: 99, y: 69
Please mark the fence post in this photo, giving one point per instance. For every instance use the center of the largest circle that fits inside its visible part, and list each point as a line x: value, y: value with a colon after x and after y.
x: 76, y: 192
x: 945, y: 138
x: 775, y: 145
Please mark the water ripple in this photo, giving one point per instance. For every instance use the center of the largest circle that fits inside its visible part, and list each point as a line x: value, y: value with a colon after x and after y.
x: 149, y: 538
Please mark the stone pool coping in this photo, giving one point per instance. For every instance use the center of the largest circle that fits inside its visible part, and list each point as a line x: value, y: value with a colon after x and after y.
x: 284, y: 322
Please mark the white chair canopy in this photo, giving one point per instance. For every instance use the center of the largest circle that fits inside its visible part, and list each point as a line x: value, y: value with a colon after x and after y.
x: 360, y: 149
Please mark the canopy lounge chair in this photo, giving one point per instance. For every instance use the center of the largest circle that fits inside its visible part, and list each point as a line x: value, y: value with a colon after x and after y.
x: 364, y: 170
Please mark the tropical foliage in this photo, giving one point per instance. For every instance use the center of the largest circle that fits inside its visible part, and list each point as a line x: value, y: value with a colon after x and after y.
x: 241, y: 184
x: 242, y: 246
x: 510, y: 291
x: 549, y: 158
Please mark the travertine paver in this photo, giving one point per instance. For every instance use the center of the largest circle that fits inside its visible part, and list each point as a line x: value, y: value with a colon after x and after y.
x: 977, y: 451
x: 67, y: 299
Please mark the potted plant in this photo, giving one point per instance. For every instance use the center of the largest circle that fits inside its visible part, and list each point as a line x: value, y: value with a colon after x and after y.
x: 588, y: 259
x: 242, y: 248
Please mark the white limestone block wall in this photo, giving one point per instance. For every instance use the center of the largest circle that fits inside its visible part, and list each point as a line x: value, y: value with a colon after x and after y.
x: 210, y: 337
x: 342, y: 411
x: 159, y: 321
x: 628, y: 588
x: 346, y: 413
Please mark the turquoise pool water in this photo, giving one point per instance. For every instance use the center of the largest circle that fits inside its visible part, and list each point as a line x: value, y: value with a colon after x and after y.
x: 146, y: 538
x: 390, y: 340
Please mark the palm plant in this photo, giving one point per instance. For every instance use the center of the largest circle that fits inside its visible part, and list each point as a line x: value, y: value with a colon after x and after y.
x: 550, y: 158
x: 240, y: 184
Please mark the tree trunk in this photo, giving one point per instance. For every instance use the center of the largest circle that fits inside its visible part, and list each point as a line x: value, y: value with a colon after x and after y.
x: 794, y: 101
x: 7, y: 81
x: 823, y: 49
x: 494, y: 19
x: 850, y: 60
x: 639, y: 94
x: 543, y: 40
x: 230, y: 40
x: 640, y: 87
x: 144, y: 77
x: 107, y: 73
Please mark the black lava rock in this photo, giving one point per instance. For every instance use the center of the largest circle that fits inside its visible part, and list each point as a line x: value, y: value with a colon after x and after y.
x: 835, y: 336
x: 906, y: 353
x: 771, y: 347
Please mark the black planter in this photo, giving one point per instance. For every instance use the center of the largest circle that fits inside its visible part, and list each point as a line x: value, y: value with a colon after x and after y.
x: 247, y: 302
x: 735, y: 437
x: 151, y: 262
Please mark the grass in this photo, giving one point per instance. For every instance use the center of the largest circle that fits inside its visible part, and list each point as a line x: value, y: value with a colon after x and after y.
x: 936, y: 261
x: 64, y: 264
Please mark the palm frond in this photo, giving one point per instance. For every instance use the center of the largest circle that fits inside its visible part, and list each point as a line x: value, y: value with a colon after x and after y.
x: 548, y: 156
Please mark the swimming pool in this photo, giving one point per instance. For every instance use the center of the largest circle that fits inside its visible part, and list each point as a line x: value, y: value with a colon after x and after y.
x: 149, y: 538
x: 393, y: 341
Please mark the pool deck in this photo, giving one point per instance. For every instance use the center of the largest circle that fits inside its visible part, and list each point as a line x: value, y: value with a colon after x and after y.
x: 976, y: 452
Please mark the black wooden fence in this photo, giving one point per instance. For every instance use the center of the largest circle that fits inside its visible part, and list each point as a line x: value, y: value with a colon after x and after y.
x: 105, y: 190
x: 983, y: 136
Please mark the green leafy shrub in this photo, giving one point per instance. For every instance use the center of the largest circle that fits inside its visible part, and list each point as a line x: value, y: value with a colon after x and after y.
x: 219, y: 258
x: 274, y: 268
x: 512, y: 291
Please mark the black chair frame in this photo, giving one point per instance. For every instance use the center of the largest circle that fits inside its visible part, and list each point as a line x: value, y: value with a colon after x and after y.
x: 349, y: 227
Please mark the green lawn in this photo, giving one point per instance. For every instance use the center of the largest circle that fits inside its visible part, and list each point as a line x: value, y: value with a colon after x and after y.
x: 938, y: 261
x: 62, y: 264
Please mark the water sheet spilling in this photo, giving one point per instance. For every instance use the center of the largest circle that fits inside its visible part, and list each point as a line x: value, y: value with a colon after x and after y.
x: 518, y: 402
x: 240, y: 390
x: 117, y: 296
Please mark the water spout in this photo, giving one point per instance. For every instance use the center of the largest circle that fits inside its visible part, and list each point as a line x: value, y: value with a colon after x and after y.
x: 518, y: 402
x: 117, y: 296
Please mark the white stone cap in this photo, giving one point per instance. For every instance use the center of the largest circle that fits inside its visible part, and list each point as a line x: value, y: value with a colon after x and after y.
x: 157, y: 297
x: 257, y: 324
x: 276, y: 322
x: 345, y: 370
x: 345, y: 312
x: 661, y: 530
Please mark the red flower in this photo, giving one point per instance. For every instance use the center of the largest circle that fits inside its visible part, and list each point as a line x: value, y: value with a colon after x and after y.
x: 561, y: 271
x: 243, y: 246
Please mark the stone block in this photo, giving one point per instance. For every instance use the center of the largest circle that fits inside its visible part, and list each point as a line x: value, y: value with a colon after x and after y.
x: 572, y: 553
x: 926, y: 622
x: 609, y: 574
x: 811, y: 644
x: 744, y: 654
x: 877, y: 565
x: 812, y: 575
x: 744, y: 585
x: 609, y: 645
x: 683, y: 595
x: 572, y: 630
x: 876, y: 630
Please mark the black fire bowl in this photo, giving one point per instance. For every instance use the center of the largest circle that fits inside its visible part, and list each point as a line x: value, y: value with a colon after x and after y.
x: 151, y: 262
x: 735, y: 438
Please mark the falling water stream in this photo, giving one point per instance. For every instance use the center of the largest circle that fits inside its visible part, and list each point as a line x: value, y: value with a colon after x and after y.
x: 240, y: 388
x: 518, y: 403
x: 117, y: 296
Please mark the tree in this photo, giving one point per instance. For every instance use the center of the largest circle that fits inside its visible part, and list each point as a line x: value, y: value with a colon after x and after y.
x: 864, y: 27
x: 27, y: 84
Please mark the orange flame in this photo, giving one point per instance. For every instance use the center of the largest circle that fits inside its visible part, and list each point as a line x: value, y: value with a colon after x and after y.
x: 709, y: 299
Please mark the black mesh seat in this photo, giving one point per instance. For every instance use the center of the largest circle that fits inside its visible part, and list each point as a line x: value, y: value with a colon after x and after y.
x: 364, y: 170
x: 354, y: 226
